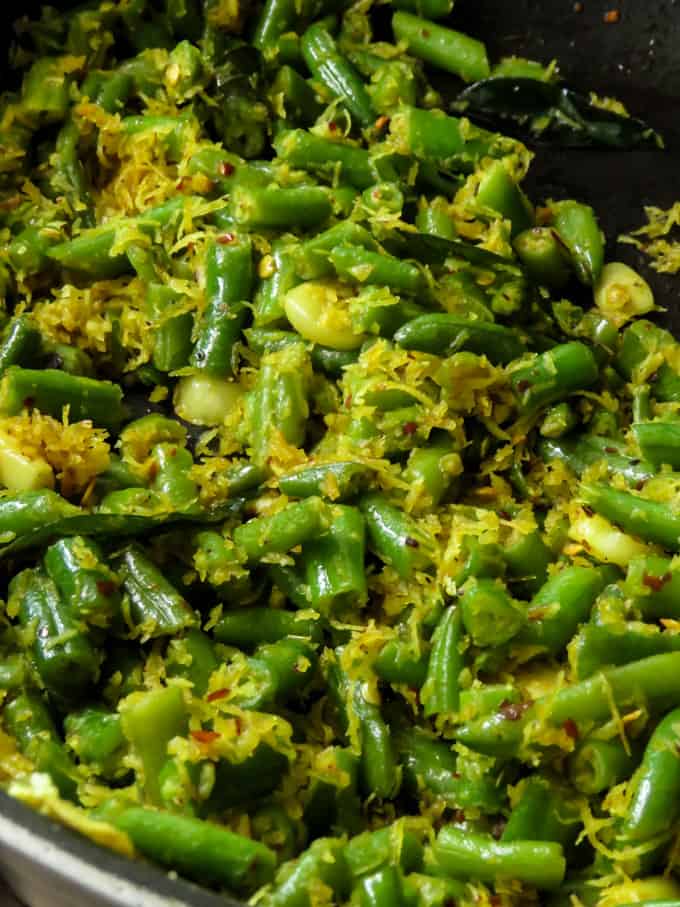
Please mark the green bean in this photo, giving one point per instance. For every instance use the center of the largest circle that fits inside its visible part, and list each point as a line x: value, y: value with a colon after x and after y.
x: 229, y: 280
x: 542, y: 813
x: 333, y: 563
x: 96, y: 737
x: 298, y: 99
x: 150, y: 719
x: 238, y: 783
x: 397, y: 664
x: 381, y: 888
x: 616, y: 643
x: 577, y: 228
x: 51, y: 390
x: 639, y: 340
x: 553, y: 375
x: 655, y: 586
x: 355, y: 165
x: 45, y: 91
x: 155, y: 607
x: 194, y: 658
x: 396, y: 537
x: 337, y: 481
x: 431, y: 764
x: 442, y: 47
x: 294, y: 525
x: 598, y: 765
x: 336, y: 73
x: 433, y: 217
x: 172, y: 330
x: 393, y: 844
x: 489, y: 614
x: 580, y: 453
x: 544, y: 257
x: 432, y: 135
x: 658, y: 441
x: 446, y: 334
x: 200, y: 850
x: 267, y: 303
x: 498, y: 191
x: 323, y: 861
x: 440, y: 693
x: 65, y: 658
x: 653, y: 807
x: 20, y: 342
x: 651, y: 520
x: 269, y: 208
x: 26, y: 717
x: 248, y: 627
x: 464, y: 855
x: 86, y: 583
x: 559, y: 606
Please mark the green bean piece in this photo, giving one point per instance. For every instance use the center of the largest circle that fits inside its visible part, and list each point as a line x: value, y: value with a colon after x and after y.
x: 658, y: 441
x: 337, y: 481
x: 498, y: 191
x: 655, y: 586
x: 64, y: 656
x: 323, y: 861
x: 442, y: 47
x: 199, y: 850
x: 598, y: 765
x: 278, y: 403
x: 553, y: 375
x: 45, y: 91
x: 248, y: 627
x: 86, y: 583
x: 542, y: 813
x: 582, y: 452
x: 20, y: 342
x: 649, y: 680
x: 559, y: 606
x: 172, y: 337
x: 359, y: 265
x: 278, y: 670
x: 653, y: 807
x: 294, y: 525
x: 155, y: 607
x: 336, y: 73
x: 381, y: 888
x: 430, y: 763
x: 639, y: 340
x: 334, y: 802
x: 271, y: 207
x: 577, y: 228
x: 267, y: 302
x: 397, y: 664
x: 28, y: 719
x: 429, y: 891
x: 617, y: 643
x: 527, y: 559
x: 393, y: 844
x: 489, y: 614
x: 333, y: 563
x: 652, y: 521
x: 433, y: 217
x: 238, y: 783
x: 298, y: 99
x: 441, y: 691
x: 150, y: 720
x: 51, y: 390
x: 194, y: 658
x: 464, y: 855
x: 96, y: 737
x: 544, y: 257
x: 432, y: 135
x: 229, y: 282
x: 396, y: 537
x: 446, y: 334
x: 355, y: 165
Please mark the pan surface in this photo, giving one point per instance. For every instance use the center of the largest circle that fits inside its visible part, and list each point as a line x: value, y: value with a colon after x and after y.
x: 635, y: 60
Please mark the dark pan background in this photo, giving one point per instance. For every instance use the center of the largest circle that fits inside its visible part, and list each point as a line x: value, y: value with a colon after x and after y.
x: 636, y: 60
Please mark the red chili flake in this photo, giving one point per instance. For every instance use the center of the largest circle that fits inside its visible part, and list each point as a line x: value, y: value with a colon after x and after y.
x: 523, y: 385
x: 106, y: 587
x: 410, y: 428
x: 656, y: 583
x: 653, y: 377
x: 410, y: 543
x: 612, y: 16
x: 153, y: 470
x: 588, y: 510
x: 173, y: 452
x: 503, y: 514
x: 348, y: 401
x: 459, y: 816
x: 570, y: 728
x: 205, y: 736
x: 513, y: 711
x: 225, y: 238
x: 239, y: 726
x: 332, y: 126
x: 639, y: 485
x: 455, y: 775
x: 382, y: 122
x: 425, y: 33
x: 216, y: 694
x: 495, y: 900
x: 28, y: 402
x: 578, y: 7
x: 181, y: 184
x: 226, y: 169
x: 611, y: 450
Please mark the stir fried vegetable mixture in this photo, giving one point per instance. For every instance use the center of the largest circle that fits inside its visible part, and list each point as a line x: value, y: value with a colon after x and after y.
x: 339, y: 514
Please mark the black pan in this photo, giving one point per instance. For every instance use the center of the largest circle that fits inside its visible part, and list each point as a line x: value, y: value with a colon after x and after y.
x: 635, y: 60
